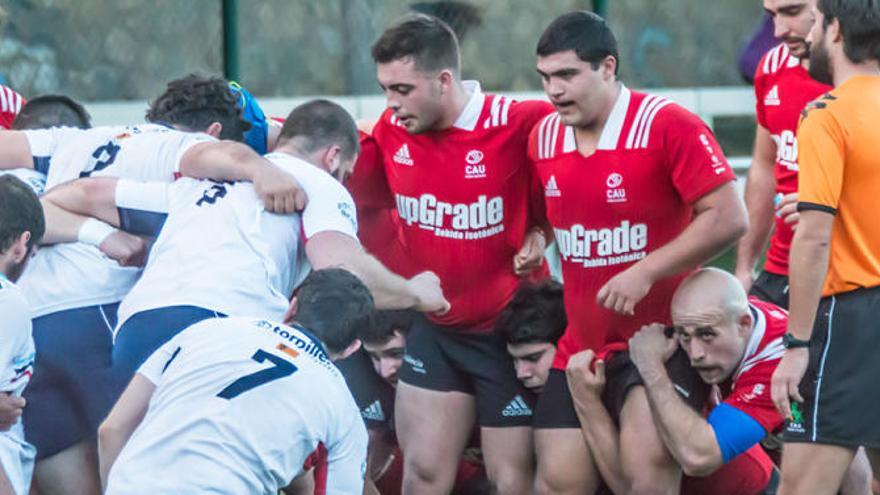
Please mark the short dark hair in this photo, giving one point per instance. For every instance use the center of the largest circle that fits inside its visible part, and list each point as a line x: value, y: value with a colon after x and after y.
x: 385, y: 323
x: 20, y: 211
x: 319, y: 123
x: 429, y: 41
x: 45, y: 111
x: 860, y: 24
x: 535, y: 315
x: 585, y: 33
x: 195, y: 102
x: 333, y: 304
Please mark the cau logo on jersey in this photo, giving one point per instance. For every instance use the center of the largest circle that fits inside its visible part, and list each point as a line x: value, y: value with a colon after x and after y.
x: 615, y: 192
x: 624, y: 243
x: 477, y: 220
x: 474, y: 167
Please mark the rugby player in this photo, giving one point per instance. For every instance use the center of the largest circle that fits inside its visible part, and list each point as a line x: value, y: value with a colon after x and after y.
x: 639, y: 194
x: 825, y: 384
x: 455, y: 162
x: 782, y: 89
x: 250, y: 260
x: 21, y: 227
x: 240, y: 405
x: 732, y: 342
x: 74, y: 289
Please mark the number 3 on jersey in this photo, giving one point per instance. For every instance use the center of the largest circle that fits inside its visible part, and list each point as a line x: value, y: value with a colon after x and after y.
x: 280, y: 369
x: 213, y: 193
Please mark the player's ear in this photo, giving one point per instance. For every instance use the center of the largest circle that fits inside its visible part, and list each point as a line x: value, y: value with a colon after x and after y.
x: 291, y: 312
x: 214, y: 130
x: 608, y: 66
x: 447, y: 79
x: 332, y: 158
x: 744, y: 324
x: 20, y: 247
x: 351, y: 349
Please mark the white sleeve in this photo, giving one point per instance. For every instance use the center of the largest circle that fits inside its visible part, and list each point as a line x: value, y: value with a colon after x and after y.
x: 347, y: 457
x: 330, y: 206
x: 43, y: 143
x: 159, y: 361
x: 142, y: 206
x: 16, y: 327
x: 171, y: 146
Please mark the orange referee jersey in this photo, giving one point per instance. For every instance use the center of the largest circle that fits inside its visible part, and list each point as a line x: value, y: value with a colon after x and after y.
x: 838, y: 142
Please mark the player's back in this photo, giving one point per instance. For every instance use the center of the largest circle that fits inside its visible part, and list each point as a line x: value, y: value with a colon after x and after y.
x: 217, y: 249
x: 66, y: 276
x: 239, y: 407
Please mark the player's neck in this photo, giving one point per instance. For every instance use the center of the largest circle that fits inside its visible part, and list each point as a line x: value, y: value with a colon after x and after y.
x: 457, y: 100
x: 846, y: 70
x: 587, y: 137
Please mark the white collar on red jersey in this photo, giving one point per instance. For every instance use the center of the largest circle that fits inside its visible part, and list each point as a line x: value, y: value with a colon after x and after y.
x: 613, y: 126
x: 470, y: 115
x: 773, y: 349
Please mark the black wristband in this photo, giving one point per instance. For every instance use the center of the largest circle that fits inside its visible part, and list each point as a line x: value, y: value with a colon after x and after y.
x: 789, y: 341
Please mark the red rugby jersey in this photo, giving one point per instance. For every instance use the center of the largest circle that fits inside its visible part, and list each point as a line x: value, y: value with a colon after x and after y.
x: 10, y: 104
x: 749, y: 388
x: 376, y: 210
x: 608, y: 211
x: 782, y: 89
x: 465, y: 198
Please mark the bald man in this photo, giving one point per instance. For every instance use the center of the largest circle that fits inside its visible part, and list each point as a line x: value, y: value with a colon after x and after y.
x: 732, y: 341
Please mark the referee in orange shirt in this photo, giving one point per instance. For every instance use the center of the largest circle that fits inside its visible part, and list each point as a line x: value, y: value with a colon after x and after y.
x: 828, y: 382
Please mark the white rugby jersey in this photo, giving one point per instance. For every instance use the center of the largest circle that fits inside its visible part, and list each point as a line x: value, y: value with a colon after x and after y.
x: 241, y: 406
x: 67, y: 276
x: 16, y: 368
x: 219, y: 249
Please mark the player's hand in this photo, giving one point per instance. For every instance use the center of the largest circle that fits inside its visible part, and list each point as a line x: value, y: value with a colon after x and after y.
x: 787, y: 377
x: 280, y: 192
x: 625, y: 290
x: 787, y: 209
x: 649, y: 348
x: 426, y: 288
x: 582, y: 380
x: 11, y: 408
x: 531, y: 254
x: 126, y: 249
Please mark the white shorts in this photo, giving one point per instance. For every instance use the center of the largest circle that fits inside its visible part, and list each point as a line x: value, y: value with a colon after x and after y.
x: 17, y: 459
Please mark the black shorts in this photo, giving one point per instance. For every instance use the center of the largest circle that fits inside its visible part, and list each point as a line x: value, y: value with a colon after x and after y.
x: 445, y: 360
x: 840, y: 388
x: 372, y: 394
x: 771, y: 288
x: 556, y: 409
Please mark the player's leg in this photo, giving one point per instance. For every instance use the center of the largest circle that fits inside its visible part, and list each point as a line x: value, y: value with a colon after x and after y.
x: 874, y: 459
x: 817, y: 469
x: 433, y: 428
x: 858, y: 477
x: 509, y: 457
x: 434, y: 412
x: 564, y: 464
x: 647, y: 465
x: 73, y: 470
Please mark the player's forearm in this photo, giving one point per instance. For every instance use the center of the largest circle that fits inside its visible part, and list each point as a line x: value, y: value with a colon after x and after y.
x: 110, y: 443
x: 602, y: 438
x: 389, y: 290
x: 808, y: 267
x: 15, y: 150
x: 61, y: 225
x: 688, y: 437
x: 760, y: 189
x: 222, y: 161
x: 707, y: 236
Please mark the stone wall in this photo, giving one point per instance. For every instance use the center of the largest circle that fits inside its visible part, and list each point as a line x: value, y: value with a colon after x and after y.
x: 126, y: 49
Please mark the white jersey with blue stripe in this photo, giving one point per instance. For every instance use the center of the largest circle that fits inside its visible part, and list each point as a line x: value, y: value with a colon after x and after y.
x: 241, y: 406
x: 74, y: 275
x: 16, y: 369
x: 219, y: 249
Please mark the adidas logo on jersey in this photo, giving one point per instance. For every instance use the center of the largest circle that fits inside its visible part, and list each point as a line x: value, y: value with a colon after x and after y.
x: 402, y: 156
x: 373, y: 412
x: 517, y: 407
x: 551, y: 190
x: 772, y: 97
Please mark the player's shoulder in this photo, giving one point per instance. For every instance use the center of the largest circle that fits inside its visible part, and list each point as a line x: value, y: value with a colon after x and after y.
x: 506, y: 111
x: 821, y: 110
x: 13, y: 304
x: 10, y: 101
x: 775, y: 61
x: 651, y: 118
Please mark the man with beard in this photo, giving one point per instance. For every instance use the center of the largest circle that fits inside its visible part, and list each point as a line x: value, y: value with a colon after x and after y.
x: 21, y: 227
x: 826, y: 383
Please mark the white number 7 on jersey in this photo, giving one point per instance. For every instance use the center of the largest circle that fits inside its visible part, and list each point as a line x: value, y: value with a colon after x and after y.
x: 281, y: 369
